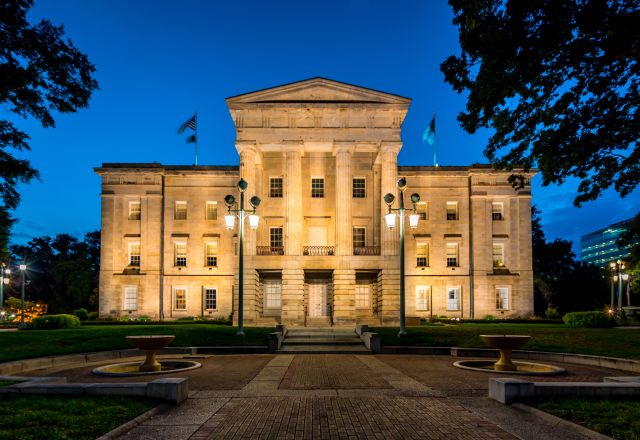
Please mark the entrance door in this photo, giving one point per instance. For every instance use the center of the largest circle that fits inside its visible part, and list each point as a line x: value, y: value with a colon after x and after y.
x: 317, y: 300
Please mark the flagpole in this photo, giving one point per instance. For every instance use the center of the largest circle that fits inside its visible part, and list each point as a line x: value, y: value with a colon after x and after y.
x: 196, y: 124
x: 435, y: 162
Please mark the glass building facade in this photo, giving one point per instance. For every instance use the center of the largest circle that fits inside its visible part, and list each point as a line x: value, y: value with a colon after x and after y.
x: 601, y: 247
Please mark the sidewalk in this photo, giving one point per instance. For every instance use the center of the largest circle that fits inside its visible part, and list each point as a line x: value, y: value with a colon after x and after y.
x: 346, y: 397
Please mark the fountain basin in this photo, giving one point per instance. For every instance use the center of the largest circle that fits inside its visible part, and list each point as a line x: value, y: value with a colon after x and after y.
x: 127, y: 369
x: 521, y: 368
x: 505, y: 343
x: 150, y: 344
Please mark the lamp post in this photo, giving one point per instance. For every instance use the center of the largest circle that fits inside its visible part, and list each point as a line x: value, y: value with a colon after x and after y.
x: 617, y: 265
x: 23, y: 268
x: 390, y: 219
x: 3, y: 270
x: 625, y: 277
x: 229, y: 220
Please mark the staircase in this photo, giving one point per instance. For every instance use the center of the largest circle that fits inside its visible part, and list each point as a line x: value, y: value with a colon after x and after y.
x: 322, y: 340
x: 319, y: 322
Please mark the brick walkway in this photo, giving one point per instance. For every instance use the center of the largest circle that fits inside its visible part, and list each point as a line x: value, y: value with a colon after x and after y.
x: 339, y: 396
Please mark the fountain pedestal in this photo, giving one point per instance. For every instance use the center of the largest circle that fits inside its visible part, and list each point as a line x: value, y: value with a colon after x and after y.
x: 150, y: 345
x: 505, y: 344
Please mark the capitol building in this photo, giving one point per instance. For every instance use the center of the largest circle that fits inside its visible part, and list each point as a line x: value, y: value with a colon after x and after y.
x: 321, y: 155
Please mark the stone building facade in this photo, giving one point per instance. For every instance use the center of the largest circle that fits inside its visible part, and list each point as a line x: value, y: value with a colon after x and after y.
x: 321, y: 155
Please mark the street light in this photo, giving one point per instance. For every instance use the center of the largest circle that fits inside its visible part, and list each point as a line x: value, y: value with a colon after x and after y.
x: 390, y: 220
x: 23, y: 268
x: 229, y: 221
x: 619, y: 265
x: 3, y: 270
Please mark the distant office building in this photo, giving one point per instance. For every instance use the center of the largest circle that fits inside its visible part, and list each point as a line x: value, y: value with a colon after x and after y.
x: 601, y: 247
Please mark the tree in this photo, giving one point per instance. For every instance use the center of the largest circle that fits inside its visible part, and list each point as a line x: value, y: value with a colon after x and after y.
x: 63, y: 271
x: 40, y: 73
x: 558, y: 82
x: 631, y: 237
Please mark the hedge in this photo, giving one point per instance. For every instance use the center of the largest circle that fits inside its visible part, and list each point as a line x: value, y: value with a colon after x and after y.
x: 49, y: 322
x: 595, y: 319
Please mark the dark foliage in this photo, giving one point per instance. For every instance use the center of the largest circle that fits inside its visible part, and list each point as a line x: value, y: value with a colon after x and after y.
x: 593, y: 319
x: 63, y: 271
x: 41, y: 72
x: 558, y: 81
x: 631, y: 237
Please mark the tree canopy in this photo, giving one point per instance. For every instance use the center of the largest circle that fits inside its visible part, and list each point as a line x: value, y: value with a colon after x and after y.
x: 41, y: 72
x: 558, y: 83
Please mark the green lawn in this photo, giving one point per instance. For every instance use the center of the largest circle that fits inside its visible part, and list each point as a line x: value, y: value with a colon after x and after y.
x: 66, y: 417
x: 617, y: 418
x: 36, y: 343
x: 544, y: 337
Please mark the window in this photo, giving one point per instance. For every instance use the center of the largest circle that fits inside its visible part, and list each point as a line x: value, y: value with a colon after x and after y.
x: 134, y: 210
x: 359, y: 237
x: 452, y: 254
x: 422, y: 297
x: 359, y: 188
x: 497, y: 211
x: 275, y: 187
x: 211, y: 212
x: 421, y: 209
x: 180, y: 212
x: 211, y: 254
x: 452, y: 210
x: 275, y: 237
x: 363, y: 296
x: 134, y: 254
x: 130, y: 298
x: 502, y: 298
x: 453, y: 298
x: 317, y: 187
x: 498, y: 254
x: 210, y: 298
x: 272, y: 293
x: 181, y: 254
x: 180, y: 298
x: 422, y: 254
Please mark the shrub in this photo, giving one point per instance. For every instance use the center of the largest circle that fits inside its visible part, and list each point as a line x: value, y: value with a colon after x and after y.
x: 143, y: 318
x: 489, y: 318
x: 594, y: 319
x: 82, y: 314
x: 92, y: 316
x: 552, y: 313
x: 49, y: 322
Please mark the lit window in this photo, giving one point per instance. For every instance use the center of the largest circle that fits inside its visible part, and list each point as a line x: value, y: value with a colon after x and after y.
x: 497, y: 211
x: 452, y: 210
x: 181, y: 254
x: 359, y: 237
x: 359, y: 188
x: 422, y: 297
x: 130, y: 298
x: 211, y: 211
x: 134, y: 254
x: 275, y: 237
x: 421, y: 208
x: 422, y: 254
x: 363, y: 296
x: 180, y: 298
x: 272, y: 293
x: 210, y: 298
x: 134, y: 210
x: 317, y: 187
x: 502, y: 298
x: 211, y: 259
x: 453, y: 298
x: 275, y: 187
x: 180, y: 212
x: 452, y: 254
x: 498, y: 254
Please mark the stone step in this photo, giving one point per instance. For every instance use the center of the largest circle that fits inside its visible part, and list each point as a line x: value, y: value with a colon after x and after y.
x: 322, y: 341
x: 320, y: 335
x: 324, y: 349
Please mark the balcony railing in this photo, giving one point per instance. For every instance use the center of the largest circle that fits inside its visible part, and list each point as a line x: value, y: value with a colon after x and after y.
x: 366, y: 250
x: 318, y: 251
x: 269, y: 250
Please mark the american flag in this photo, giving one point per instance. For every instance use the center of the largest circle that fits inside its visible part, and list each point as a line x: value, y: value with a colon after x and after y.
x: 191, y: 123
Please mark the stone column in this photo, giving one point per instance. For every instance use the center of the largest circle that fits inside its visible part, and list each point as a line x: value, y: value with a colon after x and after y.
x: 293, y: 297
x: 388, y: 160
x: 389, y: 296
x: 344, y: 236
x: 344, y: 296
x: 249, y: 159
x: 293, y: 190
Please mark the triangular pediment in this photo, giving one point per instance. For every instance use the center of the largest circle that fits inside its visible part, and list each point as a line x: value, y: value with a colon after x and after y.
x: 318, y: 90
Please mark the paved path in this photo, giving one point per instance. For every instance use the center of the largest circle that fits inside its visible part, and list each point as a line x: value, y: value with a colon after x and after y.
x: 346, y: 397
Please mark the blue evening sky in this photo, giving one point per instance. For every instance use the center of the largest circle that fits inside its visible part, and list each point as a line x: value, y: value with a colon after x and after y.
x: 159, y: 60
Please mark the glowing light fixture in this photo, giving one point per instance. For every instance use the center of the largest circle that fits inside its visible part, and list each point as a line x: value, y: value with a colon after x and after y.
x: 230, y: 221
x: 253, y: 221
x: 390, y: 219
x: 413, y: 220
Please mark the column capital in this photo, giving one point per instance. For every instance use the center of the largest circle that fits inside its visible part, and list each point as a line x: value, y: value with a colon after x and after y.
x: 386, y: 147
x: 246, y: 146
x: 293, y: 146
x: 343, y: 147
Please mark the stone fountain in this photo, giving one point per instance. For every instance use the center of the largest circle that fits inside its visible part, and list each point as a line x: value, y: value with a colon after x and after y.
x: 150, y: 345
x: 505, y: 344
